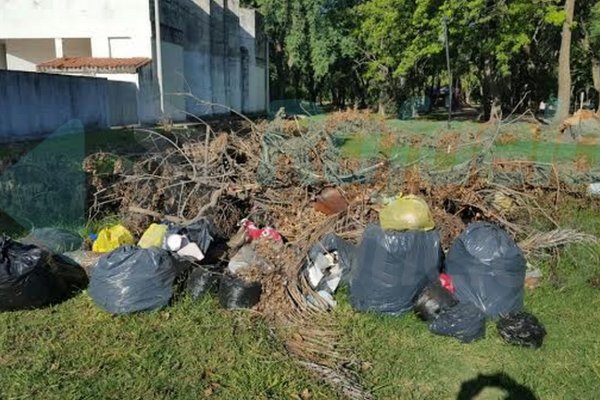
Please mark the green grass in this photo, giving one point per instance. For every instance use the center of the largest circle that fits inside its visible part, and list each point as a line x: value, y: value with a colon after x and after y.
x: 76, y: 351
x: 432, y: 151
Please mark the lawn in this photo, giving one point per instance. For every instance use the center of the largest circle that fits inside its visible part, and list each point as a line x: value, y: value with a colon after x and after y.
x: 197, y: 350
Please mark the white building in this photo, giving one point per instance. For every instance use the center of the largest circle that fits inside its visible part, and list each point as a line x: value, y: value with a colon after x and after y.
x: 211, y: 49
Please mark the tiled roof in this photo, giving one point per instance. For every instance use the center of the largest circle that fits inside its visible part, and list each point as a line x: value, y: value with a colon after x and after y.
x: 94, y: 64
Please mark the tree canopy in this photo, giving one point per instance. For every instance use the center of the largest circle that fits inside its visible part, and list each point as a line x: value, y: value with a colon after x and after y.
x: 383, y: 52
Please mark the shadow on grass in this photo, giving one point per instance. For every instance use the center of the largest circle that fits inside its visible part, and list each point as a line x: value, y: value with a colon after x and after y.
x: 514, y: 390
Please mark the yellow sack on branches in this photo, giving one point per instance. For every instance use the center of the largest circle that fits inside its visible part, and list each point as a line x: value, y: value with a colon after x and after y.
x: 406, y: 213
x: 153, y: 236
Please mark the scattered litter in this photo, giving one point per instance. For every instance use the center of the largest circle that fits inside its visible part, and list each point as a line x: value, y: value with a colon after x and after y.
x: 174, y: 242
x: 32, y: 278
x: 487, y: 269
x: 54, y: 240
x: 464, y: 322
x: 446, y: 282
x: 245, y: 257
x: 432, y: 300
x: 131, y: 279
x: 533, y: 278
x: 325, y: 295
x: 315, y: 274
x: 406, y: 213
x: 330, y: 201
x: 253, y: 232
x: 392, y: 268
x: 521, y: 329
x: 154, y: 236
x: 593, y: 189
x: 112, y: 238
x: 502, y: 202
x: 202, y: 280
x: 236, y: 293
x: 191, y: 250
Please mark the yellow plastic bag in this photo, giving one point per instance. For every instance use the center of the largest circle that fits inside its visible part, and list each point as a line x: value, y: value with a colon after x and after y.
x: 406, y: 213
x: 153, y: 236
x: 112, y: 238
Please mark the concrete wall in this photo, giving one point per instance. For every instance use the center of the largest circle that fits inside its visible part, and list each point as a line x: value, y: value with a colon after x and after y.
x: 26, y: 54
x: 34, y: 104
x: 122, y: 103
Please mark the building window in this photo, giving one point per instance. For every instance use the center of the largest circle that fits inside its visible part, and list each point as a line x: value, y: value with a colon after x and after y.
x: 81, y: 47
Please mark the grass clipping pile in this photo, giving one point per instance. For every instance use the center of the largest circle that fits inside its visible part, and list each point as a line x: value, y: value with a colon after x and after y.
x: 273, y: 173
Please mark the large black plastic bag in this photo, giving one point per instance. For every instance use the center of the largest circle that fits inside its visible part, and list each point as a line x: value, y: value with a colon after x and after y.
x: 464, y: 321
x: 131, y: 279
x: 54, y: 239
x: 201, y: 280
x: 390, y: 268
x: 200, y: 232
x: 236, y: 293
x: 32, y: 278
x: 487, y: 269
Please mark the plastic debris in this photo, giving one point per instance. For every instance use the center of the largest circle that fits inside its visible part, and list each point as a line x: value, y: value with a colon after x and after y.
x: 131, y: 279
x: 406, y: 213
x: 32, y: 278
x: 191, y: 250
x: 236, y: 293
x: 391, y: 268
x: 432, y: 301
x: 533, y: 278
x: 112, y: 238
x: 464, y: 322
x: 487, y: 269
x: 253, y: 232
x: 174, y: 242
x: 54, y: 240
x: 202, y: 280
x: 153, y: 236
x: 446, y: 282
x: 245, y: 257
x: 521, y: 329
x: 593, y: 189
x: 330, y: 201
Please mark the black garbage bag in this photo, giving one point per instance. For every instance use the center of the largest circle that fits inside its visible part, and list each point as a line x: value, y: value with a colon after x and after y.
x: 32, y: 278
x: 203, y: 279
x: 464, y: 321
x: 330, y: 243
x: 131, y: 279
x: 236, y: 293
x: 200, y: 232
x: 487, y: 269
x: 521, y: 329
x: 390, y: 268
x: 54, y: 239
x: 432, y: 300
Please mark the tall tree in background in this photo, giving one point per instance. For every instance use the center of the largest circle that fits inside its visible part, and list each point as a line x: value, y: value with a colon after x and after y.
x: 564, y: 64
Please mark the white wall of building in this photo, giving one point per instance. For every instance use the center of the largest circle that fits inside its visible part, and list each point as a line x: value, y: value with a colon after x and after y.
x: 95, y: 19
x: 26, y: 54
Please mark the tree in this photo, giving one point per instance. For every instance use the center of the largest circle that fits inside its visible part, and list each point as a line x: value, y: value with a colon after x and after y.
x: 564, y: 64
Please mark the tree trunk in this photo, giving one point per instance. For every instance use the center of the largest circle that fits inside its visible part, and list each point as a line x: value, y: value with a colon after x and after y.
x: 596, y: 77
x: 564, y: 64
